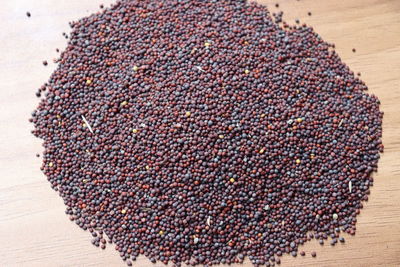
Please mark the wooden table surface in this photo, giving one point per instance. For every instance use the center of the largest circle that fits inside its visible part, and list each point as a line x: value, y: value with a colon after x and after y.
x: 34, y: 230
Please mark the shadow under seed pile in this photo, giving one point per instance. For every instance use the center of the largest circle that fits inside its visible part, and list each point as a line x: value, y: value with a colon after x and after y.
x: 204, y: 132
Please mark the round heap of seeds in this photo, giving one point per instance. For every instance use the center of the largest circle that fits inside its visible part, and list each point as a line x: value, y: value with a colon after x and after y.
x: 204, y: 132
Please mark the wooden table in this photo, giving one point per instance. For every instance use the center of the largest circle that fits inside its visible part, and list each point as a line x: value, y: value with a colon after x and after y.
x: 34, y: 231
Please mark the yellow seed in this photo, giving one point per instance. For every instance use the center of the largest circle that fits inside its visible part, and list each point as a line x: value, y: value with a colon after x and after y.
x: 221, y: 136
x: 84, y: 181
x: 51, y: 164
x: 299, y: 120
x: 188, y: 113
x: 88, y: 81
x: 147, y: 167
x: 298, y: 161
x: 58, y: 116
x: 161, y: 232
x: 298, y: 91
x: 83, y: 124
x: 135, y: 68
x: 246, y: 71
x: 123, y: 211
x: 207, y: 44
x: 232, y: 180
x: 134, y: 130
x: 124, y: 103
x: 246, y: 43
x: 262, y: 115
x: 262, y: 151
x: 312, y: 156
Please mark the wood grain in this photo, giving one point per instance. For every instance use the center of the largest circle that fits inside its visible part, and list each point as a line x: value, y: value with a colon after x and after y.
x: 34, y: 231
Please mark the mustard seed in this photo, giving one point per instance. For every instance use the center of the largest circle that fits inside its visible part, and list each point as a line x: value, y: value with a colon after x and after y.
x: 204, y: 132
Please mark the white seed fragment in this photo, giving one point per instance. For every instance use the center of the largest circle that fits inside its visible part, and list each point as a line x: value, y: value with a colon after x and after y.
x: 209, y: 220
x: 87, y: 124
x: 200, y: 68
